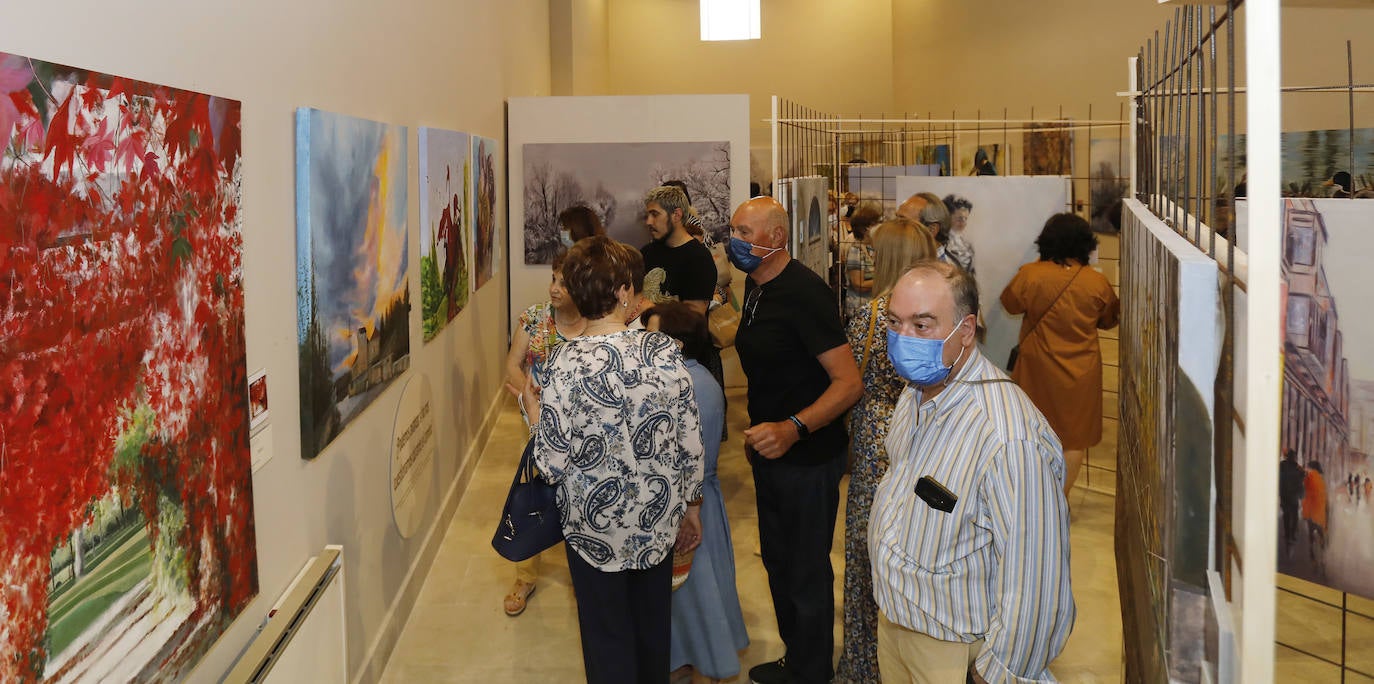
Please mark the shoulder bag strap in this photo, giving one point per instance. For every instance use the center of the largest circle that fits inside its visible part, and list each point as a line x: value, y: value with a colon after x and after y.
x: 868, y: 341
x: 1056, y: 301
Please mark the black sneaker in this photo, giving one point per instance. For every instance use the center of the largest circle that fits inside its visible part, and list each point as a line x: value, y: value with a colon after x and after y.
x: 770, y: 673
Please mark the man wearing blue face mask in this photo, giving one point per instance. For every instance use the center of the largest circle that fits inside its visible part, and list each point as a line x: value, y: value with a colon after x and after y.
x: 969, y: 534
x: 802, y: 376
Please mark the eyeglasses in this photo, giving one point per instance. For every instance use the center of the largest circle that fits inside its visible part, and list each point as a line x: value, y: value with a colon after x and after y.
x: 751, y: 303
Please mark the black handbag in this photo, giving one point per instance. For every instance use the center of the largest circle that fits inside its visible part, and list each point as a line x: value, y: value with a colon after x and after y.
x: 529, y: 522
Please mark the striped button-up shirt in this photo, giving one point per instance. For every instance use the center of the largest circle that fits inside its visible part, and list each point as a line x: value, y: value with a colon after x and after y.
x: 997, y: 567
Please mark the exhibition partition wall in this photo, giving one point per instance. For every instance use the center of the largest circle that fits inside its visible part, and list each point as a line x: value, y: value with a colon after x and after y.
x: 1007, y: 216
x: 209, y: 183
x: 1288, y: 473
x: 606, y: 153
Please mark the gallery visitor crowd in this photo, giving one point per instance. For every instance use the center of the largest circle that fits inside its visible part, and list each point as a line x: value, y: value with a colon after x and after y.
x: 956, y: 520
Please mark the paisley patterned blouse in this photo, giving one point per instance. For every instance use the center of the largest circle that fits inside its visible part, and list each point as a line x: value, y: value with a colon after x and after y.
x: 619, y: 433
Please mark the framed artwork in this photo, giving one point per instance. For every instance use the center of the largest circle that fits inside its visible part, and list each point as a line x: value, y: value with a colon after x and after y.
x: 352, y: 286
x: 445, y: 172
x: 126, y: 499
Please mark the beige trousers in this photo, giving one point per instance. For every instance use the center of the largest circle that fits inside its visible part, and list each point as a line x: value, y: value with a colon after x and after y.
x: 905, y: 655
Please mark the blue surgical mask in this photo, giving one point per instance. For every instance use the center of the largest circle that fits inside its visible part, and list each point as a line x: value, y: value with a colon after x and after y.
x: 741, y: 254
x: 918, y: 360
x: 565, y: 238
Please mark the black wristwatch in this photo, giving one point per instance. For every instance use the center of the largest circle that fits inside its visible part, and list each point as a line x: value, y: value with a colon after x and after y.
x: 802, y: 431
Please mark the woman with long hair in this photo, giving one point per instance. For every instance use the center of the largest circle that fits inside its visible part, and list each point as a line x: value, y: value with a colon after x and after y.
x: 897, y: 245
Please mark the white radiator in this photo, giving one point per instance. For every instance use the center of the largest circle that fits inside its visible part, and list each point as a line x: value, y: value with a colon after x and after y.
x: 303, y: 637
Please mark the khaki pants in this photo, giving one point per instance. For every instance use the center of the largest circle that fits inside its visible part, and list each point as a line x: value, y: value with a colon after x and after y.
x: 909, y: 656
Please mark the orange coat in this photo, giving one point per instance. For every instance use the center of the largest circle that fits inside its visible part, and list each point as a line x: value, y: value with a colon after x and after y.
x: 1314, y: 498
x: 1060, y: 363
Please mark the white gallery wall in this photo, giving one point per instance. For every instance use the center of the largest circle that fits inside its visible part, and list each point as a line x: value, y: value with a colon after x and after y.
x: 1008, y: 214
x: 450, y: 65
x: 628, y: 119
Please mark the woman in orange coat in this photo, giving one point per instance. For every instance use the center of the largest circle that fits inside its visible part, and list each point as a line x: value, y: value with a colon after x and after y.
x: 1314, y: 508
x: 1065, y: 303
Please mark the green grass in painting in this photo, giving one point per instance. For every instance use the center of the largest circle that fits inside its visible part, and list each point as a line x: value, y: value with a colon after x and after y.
x: 73, y: 610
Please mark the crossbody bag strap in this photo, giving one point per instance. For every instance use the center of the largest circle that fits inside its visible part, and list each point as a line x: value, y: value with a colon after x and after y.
x: 868, y: 341
x: 1051, y: 306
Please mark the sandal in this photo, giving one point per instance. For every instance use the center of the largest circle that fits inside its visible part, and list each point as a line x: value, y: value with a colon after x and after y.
x: 518, y: 597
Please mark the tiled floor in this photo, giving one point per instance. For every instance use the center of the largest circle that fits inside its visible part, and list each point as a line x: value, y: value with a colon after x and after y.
x: 458, y: 632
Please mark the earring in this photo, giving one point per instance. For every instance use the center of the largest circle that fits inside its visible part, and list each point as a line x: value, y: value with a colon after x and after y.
x: 625, y: 303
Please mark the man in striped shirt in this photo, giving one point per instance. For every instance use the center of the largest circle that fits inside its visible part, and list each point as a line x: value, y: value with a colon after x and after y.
x: 969, y: 528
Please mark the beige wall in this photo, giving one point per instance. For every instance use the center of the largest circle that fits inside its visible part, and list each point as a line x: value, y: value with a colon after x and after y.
x: 579, y: 46
x: 940, y: 57
x: 834, y: 56
x: 414, y: 62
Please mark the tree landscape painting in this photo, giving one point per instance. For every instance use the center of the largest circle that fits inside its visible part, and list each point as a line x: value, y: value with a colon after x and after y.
x: 484, y: 257
x: 353, y: 294
x: 126, y: 518
x: 445, y: 172
x: 612, y: 179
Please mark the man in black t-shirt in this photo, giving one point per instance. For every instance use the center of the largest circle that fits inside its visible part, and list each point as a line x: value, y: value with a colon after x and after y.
x: 676, y: 262
x: 802, y: 377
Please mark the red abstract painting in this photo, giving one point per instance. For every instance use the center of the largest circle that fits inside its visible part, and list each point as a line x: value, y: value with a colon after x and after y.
x: 126, y: 516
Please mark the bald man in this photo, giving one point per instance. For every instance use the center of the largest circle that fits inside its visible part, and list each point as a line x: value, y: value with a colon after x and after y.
x: 929, y: 210
x: 802, y: 377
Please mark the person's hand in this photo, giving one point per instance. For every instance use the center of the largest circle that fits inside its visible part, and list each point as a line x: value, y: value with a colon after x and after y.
x: 689, y: 535
x: 528, y: 396
x: 771, y: 440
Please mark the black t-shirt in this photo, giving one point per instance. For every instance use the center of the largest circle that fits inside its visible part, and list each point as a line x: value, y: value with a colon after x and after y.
x: 784, y: 325
x: 690, y: 273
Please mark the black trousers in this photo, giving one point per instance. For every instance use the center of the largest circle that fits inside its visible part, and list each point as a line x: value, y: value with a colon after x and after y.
x: 797, y: 505
x: 625, y: 621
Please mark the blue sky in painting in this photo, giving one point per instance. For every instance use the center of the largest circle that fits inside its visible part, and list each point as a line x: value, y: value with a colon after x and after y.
x: 357, y: 222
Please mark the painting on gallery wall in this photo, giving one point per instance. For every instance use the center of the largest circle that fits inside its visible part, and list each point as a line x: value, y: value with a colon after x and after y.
x: 937, y: 155
x: 1326, y: 475
x: 1171, y: 341
x: 1007, y: 216
x: 1048, y: 149
x: 1108, y: 183
x: 809, y: 211
x: 1323, y: 163
x: 352, y: 289
x: 982, y: 155
x: 612, y: 179
x: 127, y: 543
x: 485, y: 250
x: 445, y: 173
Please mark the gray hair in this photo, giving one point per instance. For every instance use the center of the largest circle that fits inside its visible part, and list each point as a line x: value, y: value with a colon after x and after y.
x: 961, y: 285
x: 934, y: 211
x: 669, y: 198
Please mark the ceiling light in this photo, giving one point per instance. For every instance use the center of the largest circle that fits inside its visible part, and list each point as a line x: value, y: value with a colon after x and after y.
x: 729, y: 19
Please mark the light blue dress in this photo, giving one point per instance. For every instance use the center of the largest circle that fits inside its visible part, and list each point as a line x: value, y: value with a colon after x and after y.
x: 708, y: 626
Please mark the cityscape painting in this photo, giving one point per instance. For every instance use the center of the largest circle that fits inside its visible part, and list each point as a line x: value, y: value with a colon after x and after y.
x: 1326, y: 477
x: 353, y: 293
x: 127, y: 543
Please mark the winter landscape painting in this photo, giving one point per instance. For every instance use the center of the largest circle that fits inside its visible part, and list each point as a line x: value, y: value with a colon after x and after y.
x: 483, y: 214
x: 353, y: 294
x: 612, y: 179
x: 126, y: 505
x: 445, y: 168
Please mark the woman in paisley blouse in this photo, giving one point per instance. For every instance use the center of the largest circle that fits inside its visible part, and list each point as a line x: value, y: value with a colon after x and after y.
x: 542, y: 327
x: 897, y: 244
x: 619, y: 435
